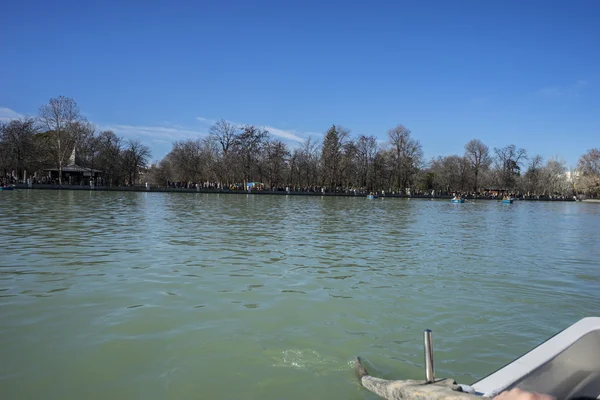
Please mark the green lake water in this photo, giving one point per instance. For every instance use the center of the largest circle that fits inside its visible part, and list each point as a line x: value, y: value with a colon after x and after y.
x: 114, y: 295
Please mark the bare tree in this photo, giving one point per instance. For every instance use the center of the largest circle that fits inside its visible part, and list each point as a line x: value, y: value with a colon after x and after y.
x: 450, y: 174
x: 407, y: 156
x: 163, y: 172
x: 589, y: 163
x: 190, y: 160
x: 310, y: 162
x: 589, y: 170
x: 508, y: 162
x: 303, y: 165
x: 5, y: 160
x: 135, y: 158
x: 383, y: 172
x: 426, y: 179
x: 110, y: 151
x: 249, y: 145
x: 60, y: 116
x: 478, y: 156
x: 226, y: 133
x: 277, y: 155
x: 210, y: 158
x: 555, y: 179
x: 17, y: 145
x: 367, y: 151
x: 88, y: 145
x: 533, y: 175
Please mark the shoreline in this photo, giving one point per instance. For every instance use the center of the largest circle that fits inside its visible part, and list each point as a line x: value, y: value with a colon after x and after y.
x: 23, y: 186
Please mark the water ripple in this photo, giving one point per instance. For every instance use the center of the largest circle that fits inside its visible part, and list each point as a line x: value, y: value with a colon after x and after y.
x: 188, y: 291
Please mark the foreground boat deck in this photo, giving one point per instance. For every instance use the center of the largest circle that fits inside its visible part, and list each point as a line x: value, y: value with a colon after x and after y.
x: 565, y: 366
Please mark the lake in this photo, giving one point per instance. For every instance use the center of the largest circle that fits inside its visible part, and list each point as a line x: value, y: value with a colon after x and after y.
x: 198, y: 296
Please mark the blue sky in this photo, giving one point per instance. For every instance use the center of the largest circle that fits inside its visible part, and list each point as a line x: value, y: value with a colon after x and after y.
x: 522, y: 72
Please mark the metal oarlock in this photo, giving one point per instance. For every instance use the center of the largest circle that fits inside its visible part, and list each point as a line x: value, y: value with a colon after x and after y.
x: 428, y: 344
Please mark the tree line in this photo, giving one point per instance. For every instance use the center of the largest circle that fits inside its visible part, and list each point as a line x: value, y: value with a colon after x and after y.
x: 37, y: 144
x: 233, y: 155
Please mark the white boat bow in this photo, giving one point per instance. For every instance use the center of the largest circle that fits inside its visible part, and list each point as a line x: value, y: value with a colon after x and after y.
x: 566, y: 366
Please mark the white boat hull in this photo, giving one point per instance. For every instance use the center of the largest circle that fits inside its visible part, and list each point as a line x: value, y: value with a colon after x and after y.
x: 566, y: 366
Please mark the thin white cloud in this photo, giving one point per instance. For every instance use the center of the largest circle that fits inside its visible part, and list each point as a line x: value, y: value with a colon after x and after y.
x: 284, y: 134
x: 6, y: 114
x: 169, y: 131
x: 169, y: 124
x: 287, y: 134
x: 206, y: 120
x: 572, y: 90
x: 154, y: 132
x: 165, y: 134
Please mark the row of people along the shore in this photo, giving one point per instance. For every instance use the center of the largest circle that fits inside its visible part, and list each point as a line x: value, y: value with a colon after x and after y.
x: 261, y: 187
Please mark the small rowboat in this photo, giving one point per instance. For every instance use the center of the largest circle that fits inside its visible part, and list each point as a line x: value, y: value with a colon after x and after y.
x: 457, y: 200
x: 6, y: 188
x: 371, y: 196
x: 507, y: 201
x: 566, y: 366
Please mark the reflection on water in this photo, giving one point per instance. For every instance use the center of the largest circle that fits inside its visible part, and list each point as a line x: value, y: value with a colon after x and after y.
x: 108, y: 295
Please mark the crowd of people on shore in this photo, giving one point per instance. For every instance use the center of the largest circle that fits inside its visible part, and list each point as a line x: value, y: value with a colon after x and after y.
x: 507, y: 195
x: 358, y: 191
x: 486, y: 194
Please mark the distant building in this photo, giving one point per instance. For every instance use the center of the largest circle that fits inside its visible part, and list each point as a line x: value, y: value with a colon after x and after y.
x: 73, y: 174
x: 572, y: 175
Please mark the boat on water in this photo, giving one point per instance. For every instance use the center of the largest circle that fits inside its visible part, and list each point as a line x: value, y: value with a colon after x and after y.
x: 507, y: 201
x: 371, y: 196
x: 6, y: 188
x: 457, y: 200
x: 566, y: 366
